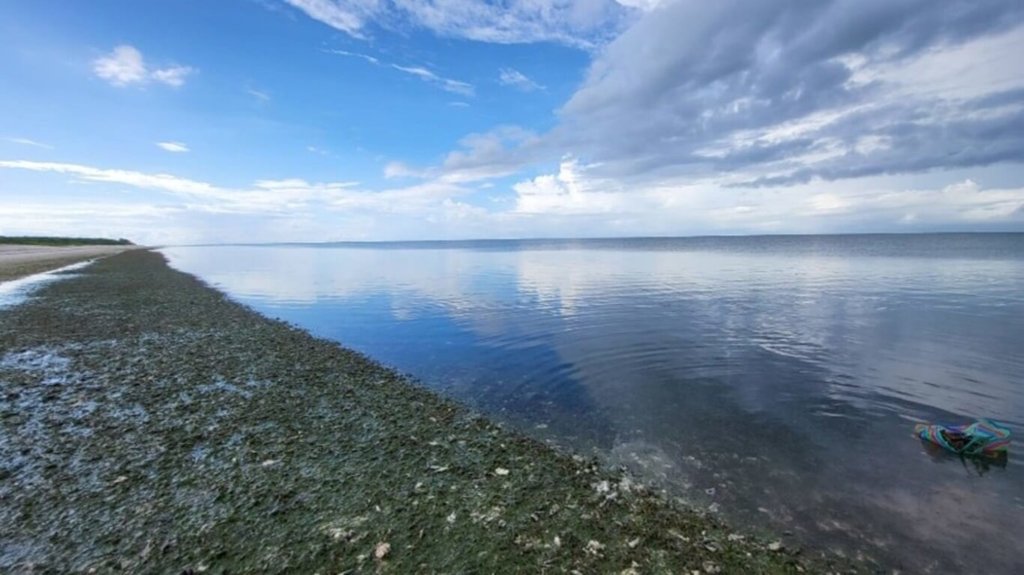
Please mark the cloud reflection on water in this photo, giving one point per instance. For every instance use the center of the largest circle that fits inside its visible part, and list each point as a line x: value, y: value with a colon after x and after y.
x: 775, y: 380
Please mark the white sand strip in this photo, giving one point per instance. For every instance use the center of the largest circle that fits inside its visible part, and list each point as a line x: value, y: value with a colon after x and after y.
x: 19, y: 260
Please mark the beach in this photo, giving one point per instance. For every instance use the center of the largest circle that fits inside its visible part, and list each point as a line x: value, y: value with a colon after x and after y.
x: 151, y: 425
x: 17, y: 260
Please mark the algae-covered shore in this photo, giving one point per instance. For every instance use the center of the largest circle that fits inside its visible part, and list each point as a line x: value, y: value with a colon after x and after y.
x: 149, y: 424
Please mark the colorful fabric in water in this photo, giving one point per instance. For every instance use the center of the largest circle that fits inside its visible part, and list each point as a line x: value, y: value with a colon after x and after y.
x: 982, y: 438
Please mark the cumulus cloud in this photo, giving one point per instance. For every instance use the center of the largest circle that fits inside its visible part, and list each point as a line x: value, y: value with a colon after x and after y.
x: 868, y: 204
x: 175, y: 147
x: 566, y: 192
x: 581, y: 23
x: 516, y: 79
x: 122, y: 67
x: 125, y: 66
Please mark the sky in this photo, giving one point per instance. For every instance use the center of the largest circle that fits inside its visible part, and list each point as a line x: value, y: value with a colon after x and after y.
x: 191, y: 121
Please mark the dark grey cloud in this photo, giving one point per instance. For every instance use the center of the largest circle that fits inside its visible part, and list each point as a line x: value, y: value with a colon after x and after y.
x: 790, y: 90
x: 916, y: 142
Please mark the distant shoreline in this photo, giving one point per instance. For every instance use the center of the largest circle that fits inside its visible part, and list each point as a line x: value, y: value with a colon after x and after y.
x: 595, y: 239
x: 188, y: 432
x: 58, y: 241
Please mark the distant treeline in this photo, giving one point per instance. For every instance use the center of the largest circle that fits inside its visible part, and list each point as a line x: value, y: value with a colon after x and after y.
x: 52, y: 241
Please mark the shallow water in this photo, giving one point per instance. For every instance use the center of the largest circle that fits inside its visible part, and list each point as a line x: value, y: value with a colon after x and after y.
x: 774, y: 380
x: 16, y: 291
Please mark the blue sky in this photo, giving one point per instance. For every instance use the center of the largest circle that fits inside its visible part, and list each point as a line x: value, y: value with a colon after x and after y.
x: 316, y: 120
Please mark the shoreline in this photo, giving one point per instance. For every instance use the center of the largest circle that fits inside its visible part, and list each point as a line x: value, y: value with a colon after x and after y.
x: 150, y: 424
x: 20, y: 260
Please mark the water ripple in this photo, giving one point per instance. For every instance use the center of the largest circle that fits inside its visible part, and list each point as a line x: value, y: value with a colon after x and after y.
x: 781, y: 375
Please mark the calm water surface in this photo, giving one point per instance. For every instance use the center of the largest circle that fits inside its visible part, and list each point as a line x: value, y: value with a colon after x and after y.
x: 774, y: 380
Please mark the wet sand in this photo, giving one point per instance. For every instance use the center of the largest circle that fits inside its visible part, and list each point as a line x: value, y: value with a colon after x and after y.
x: 22, y: 260
x: 150, y: 425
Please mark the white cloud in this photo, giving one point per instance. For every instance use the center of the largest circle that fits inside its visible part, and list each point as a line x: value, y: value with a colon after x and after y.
x: 518, y: 80
x: 285, y: 197
x: 176, y: 147
x: 125, y: 66
x: 138, y: 222
x: 645, y: 5
x: 349, y: 16
x: 160, y: 182
x: 552, y: 193
x: 421, y: 72
x: 580, y: 23
x: 400, y: 170
x: 260, y: 95
x: 869, y: 203
x: 572, y: 191
x: 121, y: 67
x: 173, y: 76
x: 446, y: 84
x: 573, y: 200
x: 371, y: 59
x: 265, y: 196
x: 500, y: 152
x: 28, y: 142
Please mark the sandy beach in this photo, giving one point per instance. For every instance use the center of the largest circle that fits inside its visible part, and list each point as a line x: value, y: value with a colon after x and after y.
x: 21, y: 260
x: 151, y: 425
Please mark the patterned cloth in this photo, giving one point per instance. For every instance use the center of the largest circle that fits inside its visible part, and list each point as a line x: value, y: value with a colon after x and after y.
x: 983, y: 437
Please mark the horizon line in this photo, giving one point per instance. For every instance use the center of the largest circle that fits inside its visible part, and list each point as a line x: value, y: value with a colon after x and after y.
x: 588, y: 239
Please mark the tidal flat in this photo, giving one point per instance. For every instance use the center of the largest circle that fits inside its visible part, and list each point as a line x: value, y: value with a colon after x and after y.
x: 148, y: 424
x: 19, y: 260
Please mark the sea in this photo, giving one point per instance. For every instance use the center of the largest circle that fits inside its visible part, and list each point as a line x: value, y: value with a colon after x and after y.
x: 774, y: 381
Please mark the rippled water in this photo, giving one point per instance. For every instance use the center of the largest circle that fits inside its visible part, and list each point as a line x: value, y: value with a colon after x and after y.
x: 774, y: 380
